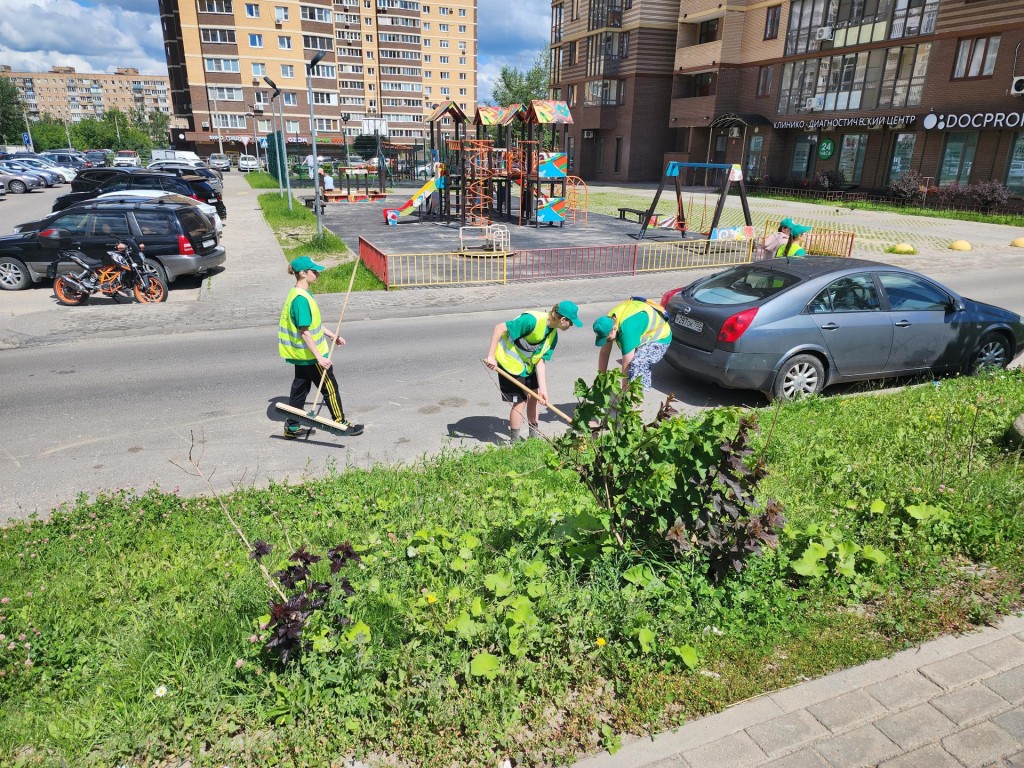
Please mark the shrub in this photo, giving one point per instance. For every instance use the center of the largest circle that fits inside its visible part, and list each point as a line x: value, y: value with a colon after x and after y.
x: 952, y: 196
x: 829, y: 179
x: 907, y: 186
x: 988, y: 194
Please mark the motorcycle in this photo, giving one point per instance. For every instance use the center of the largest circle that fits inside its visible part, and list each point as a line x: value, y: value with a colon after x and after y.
x: 129, y: 274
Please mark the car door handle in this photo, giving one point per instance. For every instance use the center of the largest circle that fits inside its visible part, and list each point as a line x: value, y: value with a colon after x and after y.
x: 830, y: 327
x: 903, y: 324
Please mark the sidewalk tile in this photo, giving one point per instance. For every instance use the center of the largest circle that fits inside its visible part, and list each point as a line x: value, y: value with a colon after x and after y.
x: 866, y: 746
x: 1002, y: 654
x: 956, y: 670
x: 847, y: 710
x: 981, y: 744
x: 970, y: 704
x: 669, y: 762
x: 1015, y: 761
x: 736, y: 751
x: 914, y: 727
x: 805, y: 758
x: 932, y: 756
x: 785, y: 733
x: 905, y: 690
x: 1009, y: 685
x: 1012, y: 722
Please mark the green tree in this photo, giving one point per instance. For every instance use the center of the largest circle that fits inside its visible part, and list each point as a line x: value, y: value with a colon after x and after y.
x: 12, y: 113
x: 49, y: 132
x: 517, y: 87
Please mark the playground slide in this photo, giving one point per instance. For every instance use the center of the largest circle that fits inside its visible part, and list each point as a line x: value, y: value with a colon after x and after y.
x: 419, y: 198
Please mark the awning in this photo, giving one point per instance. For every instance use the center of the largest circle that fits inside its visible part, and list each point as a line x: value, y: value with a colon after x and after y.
x: 731, y: 119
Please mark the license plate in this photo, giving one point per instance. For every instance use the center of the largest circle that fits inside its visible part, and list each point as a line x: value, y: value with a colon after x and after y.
x: 212, y: 200
x: 689, y: 323
x: 207, y: 243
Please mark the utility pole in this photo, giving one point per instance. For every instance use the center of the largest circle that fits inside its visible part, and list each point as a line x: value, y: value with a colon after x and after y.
x: 257, y: 112
x: 213, y: 120
x: 284, y: 153
x: 344, y: 133
x: 273, y: 119
x: 28, y: 132
x: 117, y: 127
x: 312, y: 128
x: 67, y: 131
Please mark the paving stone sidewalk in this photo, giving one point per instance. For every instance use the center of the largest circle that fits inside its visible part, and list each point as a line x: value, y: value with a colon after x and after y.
x: 956, y: 701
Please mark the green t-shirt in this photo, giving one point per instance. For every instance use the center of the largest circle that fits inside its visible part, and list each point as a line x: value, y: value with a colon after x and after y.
x: 524, y: 325
x: 631, y: 331
x: 302, y: 316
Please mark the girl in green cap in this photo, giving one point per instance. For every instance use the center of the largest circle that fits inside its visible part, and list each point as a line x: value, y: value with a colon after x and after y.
x: 794, y: 247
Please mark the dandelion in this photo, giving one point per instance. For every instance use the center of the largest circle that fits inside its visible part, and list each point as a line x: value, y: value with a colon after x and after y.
x: 160, y: 692
x: 601, y: 642
x: 431, y: 598
x: 239, y: 663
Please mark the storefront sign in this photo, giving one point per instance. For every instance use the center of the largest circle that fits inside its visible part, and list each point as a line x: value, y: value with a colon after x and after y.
x: 974, y: 120
x: 826, y: 148
x: 848, y: 122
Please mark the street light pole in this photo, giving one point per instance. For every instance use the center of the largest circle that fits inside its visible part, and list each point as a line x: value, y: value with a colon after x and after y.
x: 117, y: 127
x: 255, y: 134
x: 277, y: 143
x: 213, y: 121
x: 344, y: 134
x: 312, y: 128
x: 282, y: 154
x: 67, y: 131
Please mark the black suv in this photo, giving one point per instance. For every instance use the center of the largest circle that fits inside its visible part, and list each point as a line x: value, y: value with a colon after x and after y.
x: 179, y: 239
x: 195, y: 187
x: 90, y: 178
x: 212, y: 177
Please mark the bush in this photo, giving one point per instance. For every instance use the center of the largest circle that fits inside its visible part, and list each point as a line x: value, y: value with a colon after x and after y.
x: 988, y: 194
x: 907, y: 186
x: 829, y: 179
x: 953, y: 196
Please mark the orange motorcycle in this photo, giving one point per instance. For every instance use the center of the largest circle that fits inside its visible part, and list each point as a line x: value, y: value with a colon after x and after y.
x: 127, y: 275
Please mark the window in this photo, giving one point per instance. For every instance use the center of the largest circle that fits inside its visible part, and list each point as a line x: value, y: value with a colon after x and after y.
x: 215, y: 6
x: 221, y: 65
x: 913, y: 17
x: 851, y: 156
x: 317, y: 43
x: 902, y: 154
x: 281, y: 13
x: 326, y: 124
x: 288, y: 70
x: 225, y: 93
x: 442, y: 27
x: 1015, y: 173
x: 291, y: 126
x: 329, y: 71
x: 284, y: 42
x: 217, y: 35
x: 764, y: 81
x: 908, y: 293
x: 252, y: 10
x: 110, y: 224
x: 976, y: 57
x: 855, y: 293
x: 321, y: 97
x: 771, y: 22
x: 290, y: 100
x: 153, y: 223
x: 78, y: 223
x: 708, y: 31
x: 958, y: 157
x: 259, y: 69
x: 256, y: 41
x: 313, y: 13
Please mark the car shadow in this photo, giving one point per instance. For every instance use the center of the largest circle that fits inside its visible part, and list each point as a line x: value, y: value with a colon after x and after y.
x: 701, y: 394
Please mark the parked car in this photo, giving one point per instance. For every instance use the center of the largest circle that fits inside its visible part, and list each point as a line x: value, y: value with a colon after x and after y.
x: 90, y: 178
x: 158, y: 194
x: 20, y: 183
x: 72, y: 159
x: 49, y: 178
x: 126, y: 157
x: 97, y: 157
x: 219, y: 162
x: 247, y: 163
x: 195, y: 187
x: 3, y: 189
x: 179, y: 239
x: 66, y: 173
x: 178, y: 168
x: 791, y: 327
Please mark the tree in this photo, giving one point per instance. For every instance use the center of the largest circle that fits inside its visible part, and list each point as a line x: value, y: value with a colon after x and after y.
x: 516, y: 87
x: 12, y: 113
x: 48, y: 132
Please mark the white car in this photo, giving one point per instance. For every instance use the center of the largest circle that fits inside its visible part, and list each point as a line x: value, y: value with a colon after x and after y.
x: 68, y: 174
x: 206, y: 208
x: 247, y: 163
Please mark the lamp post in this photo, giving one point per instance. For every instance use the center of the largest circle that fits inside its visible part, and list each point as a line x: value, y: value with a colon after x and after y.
x: 117, y: 127
x: 67, y: 131
x: 257, y: 110
x: 344, y: 133
x: 282, y: 154
x: 213, y: 121
x: 312, y: 127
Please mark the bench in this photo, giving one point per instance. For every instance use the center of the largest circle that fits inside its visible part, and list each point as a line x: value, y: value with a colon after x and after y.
x: 633, y: 211
x: 310, y: 202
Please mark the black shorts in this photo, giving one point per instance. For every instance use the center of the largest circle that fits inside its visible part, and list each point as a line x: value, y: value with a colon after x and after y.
x: 510, y: 393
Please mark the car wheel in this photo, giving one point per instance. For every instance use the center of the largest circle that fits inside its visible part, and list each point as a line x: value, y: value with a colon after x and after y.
x: 159, y: 271
x: 13, y: 274
x: 993, y: 352
x: 17, y: 187
x: 800, y: 376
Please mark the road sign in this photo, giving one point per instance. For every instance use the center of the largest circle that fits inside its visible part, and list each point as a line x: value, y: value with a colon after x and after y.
x: 26, y: 139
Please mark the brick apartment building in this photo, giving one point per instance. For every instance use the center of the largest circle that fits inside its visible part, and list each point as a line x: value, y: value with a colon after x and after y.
x: 388, y: 60
x: 794, y: 89
x: 66, y: 94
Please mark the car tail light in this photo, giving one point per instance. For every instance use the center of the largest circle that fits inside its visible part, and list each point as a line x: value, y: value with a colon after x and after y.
x: 667, y: 296
x: 736, y: 325
x: 185, y: 247
x: 194, y: 196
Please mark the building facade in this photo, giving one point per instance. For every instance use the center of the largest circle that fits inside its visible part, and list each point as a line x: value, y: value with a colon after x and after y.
x: 66, y: 94
x: 865, y: 88
x: 385, y: 62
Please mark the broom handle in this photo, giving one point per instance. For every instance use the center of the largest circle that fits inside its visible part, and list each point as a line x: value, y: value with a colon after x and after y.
x: 337, y: 330
x: 532, y: 394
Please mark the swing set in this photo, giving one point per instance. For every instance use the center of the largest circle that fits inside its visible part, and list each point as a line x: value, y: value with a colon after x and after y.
x: 680, y: 222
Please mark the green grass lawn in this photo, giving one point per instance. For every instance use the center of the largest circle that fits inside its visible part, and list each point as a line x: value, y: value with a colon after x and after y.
x: 476, y: 625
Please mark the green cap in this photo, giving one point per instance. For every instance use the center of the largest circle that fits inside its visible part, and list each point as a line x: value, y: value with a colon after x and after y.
x: 603, y: 326
x: 569, y: 311
x: 787, y: 223
x: 799, y: 229
x: 304, y: 262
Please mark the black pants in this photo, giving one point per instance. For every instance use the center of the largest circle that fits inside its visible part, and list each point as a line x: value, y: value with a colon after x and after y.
x: 307, y: 376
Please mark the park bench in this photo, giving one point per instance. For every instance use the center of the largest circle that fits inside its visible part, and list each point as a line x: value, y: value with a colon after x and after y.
x: 634, y: 212
x: 310, y: 202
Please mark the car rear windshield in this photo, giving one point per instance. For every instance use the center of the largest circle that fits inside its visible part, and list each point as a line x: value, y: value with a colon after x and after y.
x: 127, y: 154
x: 196, y: 224
x: 743, y: 285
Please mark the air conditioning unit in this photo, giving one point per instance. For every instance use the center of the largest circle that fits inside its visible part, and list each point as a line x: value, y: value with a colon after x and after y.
x: 588, y: 134
x: 206, y: 126
x: 1017, y: 86
x: 824, y: 33
x: 814, y: 102
x: 256, y: 81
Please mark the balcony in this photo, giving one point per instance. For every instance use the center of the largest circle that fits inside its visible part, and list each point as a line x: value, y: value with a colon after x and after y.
x: 705, y: 55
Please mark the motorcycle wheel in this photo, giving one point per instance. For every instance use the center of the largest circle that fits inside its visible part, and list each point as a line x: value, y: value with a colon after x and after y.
x: 67, y: 295
x: 155, y: 290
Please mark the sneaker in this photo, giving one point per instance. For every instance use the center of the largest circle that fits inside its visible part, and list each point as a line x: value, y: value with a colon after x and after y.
x: 352, y: 429
x: 292, y: 431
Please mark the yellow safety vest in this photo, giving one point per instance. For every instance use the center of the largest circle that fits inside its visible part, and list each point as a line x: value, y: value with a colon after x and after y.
x: 520, y: 357
x: 290, y: 345
x: 657, y: 327
x: 796, y: 251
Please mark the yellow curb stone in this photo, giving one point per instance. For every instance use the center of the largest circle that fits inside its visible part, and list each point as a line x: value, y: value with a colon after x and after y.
x: 903, y: 248
x: 1017, y: 242
x: 960, y: 245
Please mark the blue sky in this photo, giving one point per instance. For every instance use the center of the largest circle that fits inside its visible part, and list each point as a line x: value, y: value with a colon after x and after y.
x: 101, y: 35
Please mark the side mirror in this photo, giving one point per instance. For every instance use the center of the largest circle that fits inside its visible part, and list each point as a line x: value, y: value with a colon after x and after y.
x: 54, y: 239
x: 955, y: 305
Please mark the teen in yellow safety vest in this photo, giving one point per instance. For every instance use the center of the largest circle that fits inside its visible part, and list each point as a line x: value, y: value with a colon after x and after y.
x: 302, y: 341
x: 520, y: 347
x: 794, y: 247
x: 638, y: 327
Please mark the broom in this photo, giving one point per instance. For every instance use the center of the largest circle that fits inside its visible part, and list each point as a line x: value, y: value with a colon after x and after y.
x: 311, y: 418
x: 532, y: 394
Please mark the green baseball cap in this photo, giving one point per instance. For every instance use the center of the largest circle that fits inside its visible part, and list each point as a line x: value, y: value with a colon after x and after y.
x: 304, y: 262
x: 603, y: 326
x: 799, y: 229
x: 569, y: 311
x: 787, y: 223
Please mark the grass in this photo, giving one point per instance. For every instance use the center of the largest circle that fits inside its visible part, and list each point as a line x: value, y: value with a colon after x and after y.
x: 261, y: 180
x: 471, y: 555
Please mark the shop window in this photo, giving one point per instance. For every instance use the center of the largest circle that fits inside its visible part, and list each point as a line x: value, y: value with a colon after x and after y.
x: 802, y: 157
x: 851, y: 156
x: 1015, y: 173
x: 976, y: 57
x: 958, y: 157
x: 771, y: 22
x: 764, y: 80
x: 902, y: 155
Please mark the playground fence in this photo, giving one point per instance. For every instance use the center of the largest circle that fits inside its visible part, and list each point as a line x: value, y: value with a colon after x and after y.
x: 408, y: 270
x: 822, y: 242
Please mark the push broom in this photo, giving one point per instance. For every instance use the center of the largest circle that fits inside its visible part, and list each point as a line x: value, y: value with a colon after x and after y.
x: 532, y: 394
x: 311, y: 418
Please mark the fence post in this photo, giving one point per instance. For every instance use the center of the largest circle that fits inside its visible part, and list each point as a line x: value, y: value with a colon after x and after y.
x: 636, y: 256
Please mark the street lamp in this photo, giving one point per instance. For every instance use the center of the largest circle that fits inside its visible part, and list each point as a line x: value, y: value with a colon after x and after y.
x: 282, y: 154
x: 257, y: 112
x: 312, y: 127
x: 344, y: 134
x: 213, y: 120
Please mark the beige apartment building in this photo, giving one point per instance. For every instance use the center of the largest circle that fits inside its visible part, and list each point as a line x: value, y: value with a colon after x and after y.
x: 64, y: 93
x: 385, y: 64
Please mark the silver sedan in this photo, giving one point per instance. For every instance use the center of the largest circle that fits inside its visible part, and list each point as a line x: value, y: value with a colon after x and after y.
x: 19, y: 183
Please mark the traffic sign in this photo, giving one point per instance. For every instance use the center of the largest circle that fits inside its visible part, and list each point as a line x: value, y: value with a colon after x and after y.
x: 26, y: 139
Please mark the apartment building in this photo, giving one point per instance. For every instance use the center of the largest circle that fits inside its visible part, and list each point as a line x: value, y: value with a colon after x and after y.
x: 870, y: 88
x: 385, y: 63
x: 62, y: 92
